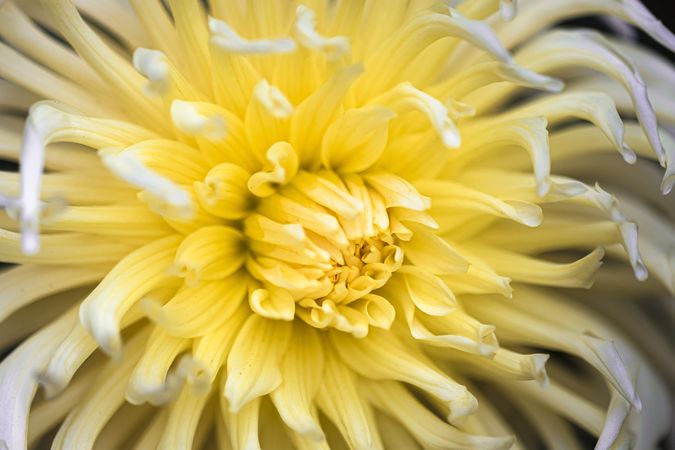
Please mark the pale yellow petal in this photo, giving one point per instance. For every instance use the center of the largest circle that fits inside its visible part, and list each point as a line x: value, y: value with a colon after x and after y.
x: 426, y: 428
x: 302, y: 370
x: 138, y: 273
x: 210, y: 253
x: 339, y: 399
x: 383, y: 356
x: 197, y: 311
x: 253, y: 366
x: 84, y: 423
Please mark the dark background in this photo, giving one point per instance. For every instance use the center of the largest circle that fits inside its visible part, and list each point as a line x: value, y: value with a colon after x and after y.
x: 664, y: 10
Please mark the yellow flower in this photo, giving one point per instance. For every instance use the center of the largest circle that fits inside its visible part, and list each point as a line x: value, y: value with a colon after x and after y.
x: 305, y: 225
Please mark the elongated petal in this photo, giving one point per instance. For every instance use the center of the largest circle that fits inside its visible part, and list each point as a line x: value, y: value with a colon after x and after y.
x: 84, y: 423
x: 184, y: 415
x: 25, y: 284
x: 367, y: 357
x: 210, y: 253
x: 140, y: 272
x: 197, y: 311
x: 19, y: 386
x: 301, y: 369
x: 253, y: 364
x: 428, y: 429
x: 339, y: 399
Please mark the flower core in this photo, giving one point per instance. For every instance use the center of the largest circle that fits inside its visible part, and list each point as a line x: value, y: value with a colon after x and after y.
x: 327, y: 242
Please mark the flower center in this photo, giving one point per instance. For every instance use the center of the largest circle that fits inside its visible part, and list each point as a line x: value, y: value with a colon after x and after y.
x: 322, y: 244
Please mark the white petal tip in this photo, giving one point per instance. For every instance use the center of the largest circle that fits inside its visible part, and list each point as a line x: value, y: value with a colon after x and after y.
x: 152, y: 308
x: 461, y: 408
x: 109, y: 343
x: 537, y: 367
x: 188, y: 118
x: 451, y: 139
x: 543, y: 187
x: 636, y: 402
x: 226, y: 38
x: 195, y: 373
x: 526, y: 77
x: 153, y: 65
x: 235, y: 403
x: 641, y: 273
x: 164, y: 196
x: 569, y: 188
x: 508, y: 9
x: 30, y: 243
x: 313, y: 432
x: 155, y: 394
x: 629, y: 235
x: 553, y: 85
x: 274, y: 101
x: 305, y: 31
x: 628, y: 154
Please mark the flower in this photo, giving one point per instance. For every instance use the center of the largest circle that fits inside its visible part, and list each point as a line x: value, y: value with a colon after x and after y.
x: 306, y: 225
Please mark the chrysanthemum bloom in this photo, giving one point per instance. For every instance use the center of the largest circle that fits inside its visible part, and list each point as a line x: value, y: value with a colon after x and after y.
x: 332, y: 224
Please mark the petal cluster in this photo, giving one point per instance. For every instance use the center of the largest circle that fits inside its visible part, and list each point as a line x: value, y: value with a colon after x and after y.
x: 332, y: 224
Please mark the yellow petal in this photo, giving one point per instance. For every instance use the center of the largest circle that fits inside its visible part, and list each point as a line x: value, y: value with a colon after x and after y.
x: 432, y: 253
x: 281, y: 169
x: 315, y: 114
x: 339, y: 399
x: 184, y: 416
x: 355, y: 141
x: 209, y: 352
x: 396, y: 191
x: 580, y: 273
x: 429, y: 293
x: 25, y: 284
x: 302, y: 372
x: 151, y: 380
x: 253, y: 364
x: 196, y: 311
x: 210, y: 253
x: 267, y: 118
x: 275, y: 304
x: 84, y: 424
x: 243, y: 425
x: 427, y: 428
x: 137, y: 274
x: 108, y: 64
x: 224, y: 192
x: 382, y: 356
